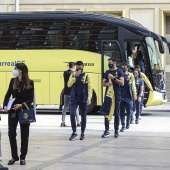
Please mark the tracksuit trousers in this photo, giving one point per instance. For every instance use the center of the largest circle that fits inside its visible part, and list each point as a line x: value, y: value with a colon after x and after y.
x: 83, y: 112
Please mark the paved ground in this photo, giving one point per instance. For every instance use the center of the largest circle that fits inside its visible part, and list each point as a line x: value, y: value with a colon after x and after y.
x: 143, y: 147
x: 163, y: 107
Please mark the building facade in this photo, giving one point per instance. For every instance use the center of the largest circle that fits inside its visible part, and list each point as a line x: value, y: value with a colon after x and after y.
x: 153, y: 14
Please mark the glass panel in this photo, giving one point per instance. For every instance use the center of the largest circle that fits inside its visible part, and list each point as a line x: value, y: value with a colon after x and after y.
x: 4, y: 34
x: 153, y: 55
x: 88, y: 35
x: 57, y: 34
x: 156, y: 67
x: 111, y: 49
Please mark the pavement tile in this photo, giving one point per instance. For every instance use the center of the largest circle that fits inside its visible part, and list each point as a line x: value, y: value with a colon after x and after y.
x: 142, y: 147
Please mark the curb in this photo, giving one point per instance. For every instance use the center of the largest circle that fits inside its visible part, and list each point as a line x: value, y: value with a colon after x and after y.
x: 156, y: 110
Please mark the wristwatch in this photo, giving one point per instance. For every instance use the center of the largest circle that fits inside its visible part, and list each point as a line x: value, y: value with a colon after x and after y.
x: 114, y: 78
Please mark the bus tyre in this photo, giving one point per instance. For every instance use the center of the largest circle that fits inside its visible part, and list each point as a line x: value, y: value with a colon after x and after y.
x: 91, y: 106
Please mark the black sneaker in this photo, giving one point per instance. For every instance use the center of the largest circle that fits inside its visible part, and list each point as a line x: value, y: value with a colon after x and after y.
x: 82, y: 137
x: 137, y: 121
x: 22, y: 162
x: 122, y: 129
x: 127, y: 126
x: 106, y: 134
x: 73, y: 136
x: 3, y: 168
x: 116, y: 134
x: 131, y: 121
x: 63, y: 125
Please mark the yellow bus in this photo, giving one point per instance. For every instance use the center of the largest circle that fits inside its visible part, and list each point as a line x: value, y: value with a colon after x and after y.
x: 47, y: 41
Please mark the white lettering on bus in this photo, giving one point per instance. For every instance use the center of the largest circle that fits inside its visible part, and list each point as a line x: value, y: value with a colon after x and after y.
x: 11, y: 63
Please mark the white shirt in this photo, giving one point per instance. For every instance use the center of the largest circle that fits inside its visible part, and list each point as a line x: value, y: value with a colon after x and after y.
x: 130, y: 63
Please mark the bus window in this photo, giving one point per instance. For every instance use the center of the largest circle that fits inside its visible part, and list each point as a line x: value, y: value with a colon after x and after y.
x: 111, y: 49
x: 156, y: 67
x: 153, y: 55
x: 4, y: 32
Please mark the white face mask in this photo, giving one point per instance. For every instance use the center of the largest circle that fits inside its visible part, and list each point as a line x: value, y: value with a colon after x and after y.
x: 15, y: 73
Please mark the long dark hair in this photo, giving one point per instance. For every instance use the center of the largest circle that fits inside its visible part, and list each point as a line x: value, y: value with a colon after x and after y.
x: 139, y: 73
x: 25, y: 78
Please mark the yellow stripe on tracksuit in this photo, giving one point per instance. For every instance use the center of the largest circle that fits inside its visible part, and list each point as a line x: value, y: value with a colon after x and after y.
x: 72, y: 80
x: 110, y: 93
x: 133, y: 84
x: 146, y: 80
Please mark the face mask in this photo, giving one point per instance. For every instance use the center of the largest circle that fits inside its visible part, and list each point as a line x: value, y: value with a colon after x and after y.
x: 15, y: 73
x: 124, y: 70
x: 79, y: 69
x: 110, y: 65
x: 135, y: 75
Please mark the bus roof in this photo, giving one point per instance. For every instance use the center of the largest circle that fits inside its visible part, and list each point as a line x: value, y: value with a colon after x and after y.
x: 123, y: 22
x: 68, y: 14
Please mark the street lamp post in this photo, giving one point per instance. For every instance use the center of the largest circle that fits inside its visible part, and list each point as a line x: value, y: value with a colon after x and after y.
x: 16, y: 5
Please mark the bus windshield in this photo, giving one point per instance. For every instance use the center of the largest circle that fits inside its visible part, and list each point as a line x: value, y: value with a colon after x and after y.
x: 153, y: 55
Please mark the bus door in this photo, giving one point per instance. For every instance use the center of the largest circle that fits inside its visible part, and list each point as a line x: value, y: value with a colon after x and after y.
x: 110, y: 49
x: 130, y: 50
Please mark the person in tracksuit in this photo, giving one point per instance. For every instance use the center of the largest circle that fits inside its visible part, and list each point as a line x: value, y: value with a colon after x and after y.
x: 81, y: 94
x: 140, y: 92
x: 116, y: 75
x: 148, y: 84
x: 128, y: 94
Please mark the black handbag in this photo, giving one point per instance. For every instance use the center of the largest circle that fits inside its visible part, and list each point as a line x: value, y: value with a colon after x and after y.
x: 26, y: 116
x: 105, y: 108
